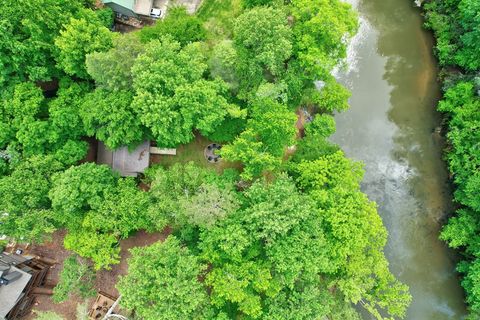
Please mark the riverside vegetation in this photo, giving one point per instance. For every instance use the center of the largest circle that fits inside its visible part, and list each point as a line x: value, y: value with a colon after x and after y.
x: 456, y: 27
x: 286, y: 237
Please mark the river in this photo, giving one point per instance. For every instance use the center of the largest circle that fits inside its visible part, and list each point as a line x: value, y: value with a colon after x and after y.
x: 391, y: 127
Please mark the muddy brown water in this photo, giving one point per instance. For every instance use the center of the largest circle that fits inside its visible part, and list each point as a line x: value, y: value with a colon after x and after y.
x: 391, y: 127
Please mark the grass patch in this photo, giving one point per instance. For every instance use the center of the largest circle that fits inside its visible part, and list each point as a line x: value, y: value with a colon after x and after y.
x: 218, y: 17
x: 194, y: 151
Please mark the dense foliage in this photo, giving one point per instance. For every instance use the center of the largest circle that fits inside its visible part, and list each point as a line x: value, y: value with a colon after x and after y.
x: 178, y: 24
x: 97, y: 208
x: 79, y: 38
x: 178, y: 99
x: 76, y: 277
x: 455, y: 24
x: 286, y: 235
x: 27, y: 37
x: 162, y: 283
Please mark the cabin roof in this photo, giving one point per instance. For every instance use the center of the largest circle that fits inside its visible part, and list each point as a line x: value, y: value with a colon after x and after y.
x: 128, y: 163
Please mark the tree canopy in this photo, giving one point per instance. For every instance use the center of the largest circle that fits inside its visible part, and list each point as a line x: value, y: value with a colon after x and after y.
x: 98, y: 209
x: 78, y: 38
x: 76, y: 277
x: 278, y: 230
x: 112, y: 69
x: 27, y: 37
x: 162, y: 283
x: 172, y: 95
x: 269, y: 131
x: 111, y: 118
x: 178, y: 24
x: 263, y: 41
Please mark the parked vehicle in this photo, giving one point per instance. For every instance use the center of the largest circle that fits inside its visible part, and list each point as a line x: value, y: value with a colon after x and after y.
x: 156, y: 13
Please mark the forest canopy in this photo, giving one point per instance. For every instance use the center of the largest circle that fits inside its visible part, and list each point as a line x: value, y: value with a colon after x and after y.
x: 282, y: 231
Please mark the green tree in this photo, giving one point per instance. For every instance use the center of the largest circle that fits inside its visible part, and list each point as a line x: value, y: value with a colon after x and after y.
x: 469, y: 20
x: 27, y: 33
x: 112, y: 69
x: 33, y: 125
x: 462, y: 105
x: 208, y: 204
x: 162, y: 283
x: 274, y: 125
x: 239, y: 248
x: 22, y: 110
x: 263, y: 41
x: 79, y: 38
x: 320, y: 30
x: 331, y: 97
x: 24, y: 202
x: 223, y: 62
x: 64, y: 112
x: 262, y: 145
x: 241, y: 284
x: 455, y: 24
x: 102, y: 248
x: 178, y: 24
x: 314, y: 144
x: 251, y: 152
x: 121, y: 212
x: 172, y: 96
x: 255, y: 3
x: 76, y: 277
x: 106, y: 16
x: 355, y: 234
x: 78, y: 190
x: 309, y: 299
x: 178, y: 191
x: 110, y: 117
x: 98, y: 209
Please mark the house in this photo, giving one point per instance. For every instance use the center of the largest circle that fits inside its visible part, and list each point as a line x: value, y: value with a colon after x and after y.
x: 134, y: 8
x: 20, y: 276
x: 130, y: 8
x: 127, y: 163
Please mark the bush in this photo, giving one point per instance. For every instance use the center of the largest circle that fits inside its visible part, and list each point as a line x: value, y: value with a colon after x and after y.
x: 77, y: 277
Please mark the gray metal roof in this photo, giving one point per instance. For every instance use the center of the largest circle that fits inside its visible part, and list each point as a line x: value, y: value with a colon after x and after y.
x: 11, y: 293
x: 123, y: 161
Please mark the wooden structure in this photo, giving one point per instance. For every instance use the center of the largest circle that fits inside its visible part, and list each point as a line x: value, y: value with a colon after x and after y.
x: 128, y: 163
x: 17, y: 296
x: 102, y: 305
x: 163, y: 151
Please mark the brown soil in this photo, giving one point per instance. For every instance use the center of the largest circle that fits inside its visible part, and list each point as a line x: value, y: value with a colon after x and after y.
x: 300, y: 124
x: 54, y: 250
x: 92, y: 150
x: 106, y: 279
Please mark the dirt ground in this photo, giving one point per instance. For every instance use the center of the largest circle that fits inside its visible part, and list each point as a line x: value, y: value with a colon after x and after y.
x: 105, y: 281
